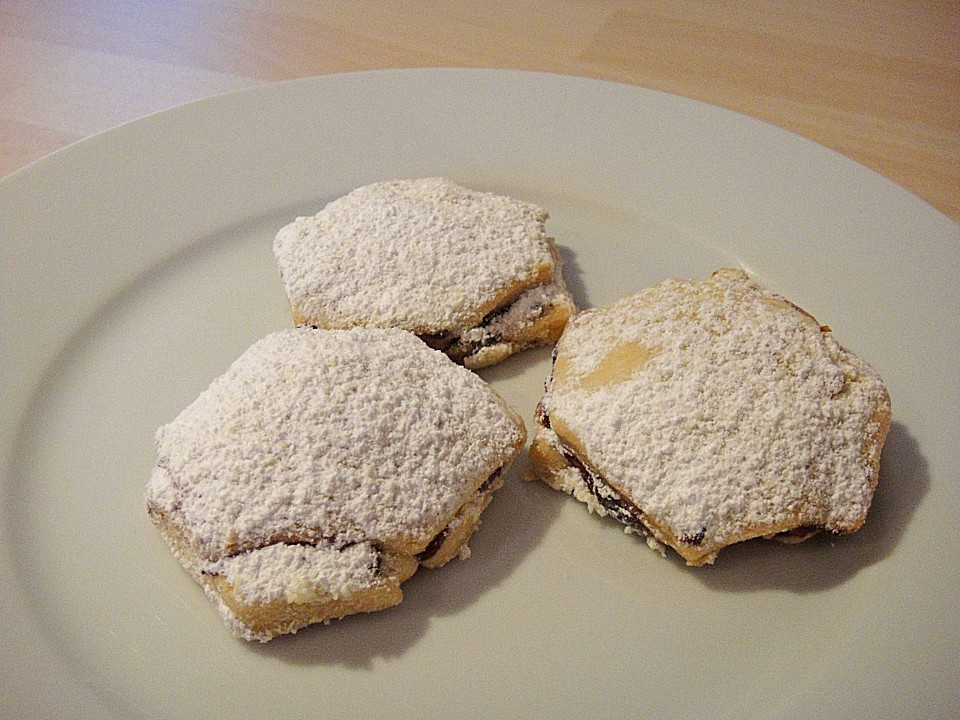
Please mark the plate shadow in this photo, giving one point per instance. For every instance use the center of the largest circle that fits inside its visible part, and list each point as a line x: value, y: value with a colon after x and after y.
x: 573, y: 276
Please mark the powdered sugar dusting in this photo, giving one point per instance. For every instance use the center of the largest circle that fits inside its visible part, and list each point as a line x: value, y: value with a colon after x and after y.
x: 744, y: 413
x: 299, y: 573
x: 426, y: 255
x: 357, y: 435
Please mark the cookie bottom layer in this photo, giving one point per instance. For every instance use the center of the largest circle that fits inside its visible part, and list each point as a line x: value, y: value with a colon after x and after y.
x: 263, y: 617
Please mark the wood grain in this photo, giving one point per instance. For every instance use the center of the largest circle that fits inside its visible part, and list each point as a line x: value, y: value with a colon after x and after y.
x: 878, y: 80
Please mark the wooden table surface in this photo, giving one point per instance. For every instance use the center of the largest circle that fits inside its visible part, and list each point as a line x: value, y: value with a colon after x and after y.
x: 877, y: 80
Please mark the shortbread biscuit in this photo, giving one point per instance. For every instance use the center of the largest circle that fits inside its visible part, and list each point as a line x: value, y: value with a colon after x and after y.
x: 471, y: 273
x: 705, y: 413
x: 322, y: 469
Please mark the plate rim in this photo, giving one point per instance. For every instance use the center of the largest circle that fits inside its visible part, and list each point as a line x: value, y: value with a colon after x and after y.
x: 44, y: 166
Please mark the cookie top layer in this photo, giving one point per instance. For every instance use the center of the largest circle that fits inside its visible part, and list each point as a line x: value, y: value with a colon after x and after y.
x: 350, y: 436
x: 721, y: 410
x: 425, y: 255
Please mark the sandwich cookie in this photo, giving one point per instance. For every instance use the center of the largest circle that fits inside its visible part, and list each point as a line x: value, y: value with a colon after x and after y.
x: 471, y: 273
x: 322, y: 470
x: 703, y: 413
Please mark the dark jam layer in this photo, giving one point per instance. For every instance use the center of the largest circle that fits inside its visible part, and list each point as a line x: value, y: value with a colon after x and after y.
x: 455, y: 348
x: 458, y: 349
x: 439, y: 341
x: 433, y: 547
x: 619, y: 506
x: 799, y: 534
x: 611, y: 501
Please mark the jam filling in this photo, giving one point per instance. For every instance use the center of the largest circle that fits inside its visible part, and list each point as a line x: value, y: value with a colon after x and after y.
x: 439, y: 341
x: 433, y: 547
x: 799, y: 533
x: 458, y: 349
x: 455, y: 348
x: 617, y: 505
x: 611, y: 500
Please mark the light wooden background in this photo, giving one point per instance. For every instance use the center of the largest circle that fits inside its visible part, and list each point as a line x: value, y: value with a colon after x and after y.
x: 877, y: 80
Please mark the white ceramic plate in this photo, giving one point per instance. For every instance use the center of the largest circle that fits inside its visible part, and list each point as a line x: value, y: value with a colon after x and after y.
x: 137, y: 265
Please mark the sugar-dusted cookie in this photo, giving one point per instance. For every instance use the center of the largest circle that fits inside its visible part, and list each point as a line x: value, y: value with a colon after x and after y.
x: 471, y: 273
x: 705, y: 413
x: 322, y: 469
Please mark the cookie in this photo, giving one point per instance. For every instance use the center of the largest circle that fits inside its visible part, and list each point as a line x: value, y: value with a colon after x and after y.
x: 703, y: 413
x: 322, y: 470
x: 471, y: 273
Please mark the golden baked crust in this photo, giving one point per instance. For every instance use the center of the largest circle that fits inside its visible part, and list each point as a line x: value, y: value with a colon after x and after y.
x: 322, y: 469
x: 706, y: 413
